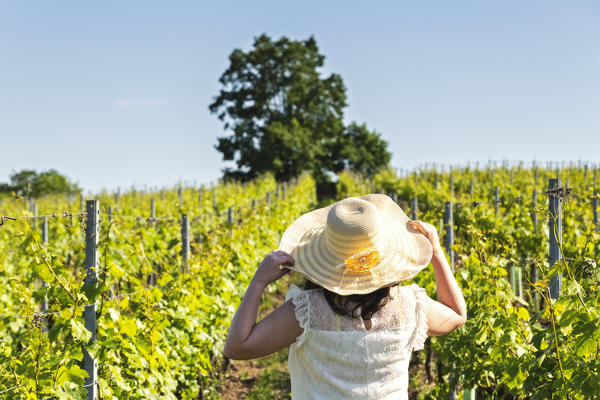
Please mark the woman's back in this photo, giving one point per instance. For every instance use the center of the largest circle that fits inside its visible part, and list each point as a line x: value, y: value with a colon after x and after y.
x: 354, y: 248
x: 337, y: 357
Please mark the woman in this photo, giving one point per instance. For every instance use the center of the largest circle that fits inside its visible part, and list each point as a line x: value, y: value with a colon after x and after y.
x: 351, y: 333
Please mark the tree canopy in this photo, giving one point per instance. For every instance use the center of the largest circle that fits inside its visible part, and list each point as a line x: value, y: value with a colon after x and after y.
x: 285, y: 117
x: 39, y: 184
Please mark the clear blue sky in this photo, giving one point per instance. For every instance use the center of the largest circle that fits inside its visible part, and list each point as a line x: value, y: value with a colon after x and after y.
x: 115, y: 93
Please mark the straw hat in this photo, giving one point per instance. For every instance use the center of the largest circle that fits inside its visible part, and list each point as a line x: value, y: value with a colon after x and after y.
x: 357, y: 245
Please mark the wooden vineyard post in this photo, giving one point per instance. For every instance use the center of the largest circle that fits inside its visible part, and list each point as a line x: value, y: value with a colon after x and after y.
x: 415, y: 208
x: 555, y: 234
x: 230, y: 216
x: 180, y: 195
x: 496, y: 201
x: 449, y: 234
x: 110, y: 214
x: 45, y: 243
x: 471, y: 188
x: 92, y: 232
x: 595, y: 207
x: 34, y: 211
x: 534, y: 217
x: 152, y: 277
x: 448, y: 242
x: 185, y: 243
x: 268, y: 199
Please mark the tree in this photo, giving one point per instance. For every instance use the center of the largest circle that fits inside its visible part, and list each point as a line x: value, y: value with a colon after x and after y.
x: 364, y: 150
x: 39, y: 184
x: 284, y: 116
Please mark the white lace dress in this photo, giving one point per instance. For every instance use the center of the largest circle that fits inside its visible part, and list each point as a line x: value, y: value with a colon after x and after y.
x: 336, y: 357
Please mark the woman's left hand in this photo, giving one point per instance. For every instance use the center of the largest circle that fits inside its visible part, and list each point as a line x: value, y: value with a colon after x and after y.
x: 268, y: 271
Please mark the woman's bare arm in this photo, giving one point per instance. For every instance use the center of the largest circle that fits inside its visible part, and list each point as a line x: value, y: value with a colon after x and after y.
x: 248, y: 339
x: 450, y: 311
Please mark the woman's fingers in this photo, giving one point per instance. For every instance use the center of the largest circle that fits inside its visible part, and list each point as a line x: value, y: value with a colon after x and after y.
x: 282, y: 258
x: 424, y: 227
x: 287, y: 261
x: 417, y: 225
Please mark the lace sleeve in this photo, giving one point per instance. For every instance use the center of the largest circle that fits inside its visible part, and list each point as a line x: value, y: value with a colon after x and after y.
x: 302, y: 311
x: 421, y: 328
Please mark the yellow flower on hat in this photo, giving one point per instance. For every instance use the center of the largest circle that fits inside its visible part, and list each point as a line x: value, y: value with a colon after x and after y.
x: 363, y: 262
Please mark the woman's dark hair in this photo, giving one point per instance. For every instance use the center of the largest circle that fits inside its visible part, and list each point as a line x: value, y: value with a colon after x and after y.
x: 369, y: 303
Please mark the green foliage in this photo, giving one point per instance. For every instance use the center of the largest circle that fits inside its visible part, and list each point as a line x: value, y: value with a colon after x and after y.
x: 364, y: 151
x: 511, y: 346
x: 39, y: 184
x: 160, y: 340
x: 286, y: 118
x: 165, y: 340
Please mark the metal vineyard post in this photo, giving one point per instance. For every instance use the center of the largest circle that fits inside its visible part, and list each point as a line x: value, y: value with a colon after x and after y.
x: 449, y: 236
x: 595, y: 207
x: 415, y: 208
x: 92, y: 232
x: 496, y: 201
x: 45, y: 243
x: 185, y: 243
x: 555, y: 234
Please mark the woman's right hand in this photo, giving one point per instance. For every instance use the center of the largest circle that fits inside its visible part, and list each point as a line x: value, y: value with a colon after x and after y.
x: 269, y: 271
x: 430, y: 233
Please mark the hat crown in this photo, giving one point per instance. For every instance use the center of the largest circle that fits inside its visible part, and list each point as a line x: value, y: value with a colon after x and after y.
x: 352, y: 226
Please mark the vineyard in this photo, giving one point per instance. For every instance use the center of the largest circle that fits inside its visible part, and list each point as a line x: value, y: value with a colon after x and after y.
x: 521, y: 340
x: 145, y: 308
x: 161, y: 318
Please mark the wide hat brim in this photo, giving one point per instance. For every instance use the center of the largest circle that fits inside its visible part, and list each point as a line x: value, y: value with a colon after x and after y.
x: 403, y: 250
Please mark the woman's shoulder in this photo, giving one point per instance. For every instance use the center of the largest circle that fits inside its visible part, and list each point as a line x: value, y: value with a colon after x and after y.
x: 410, y: 296
x: 295, y: 291
x: 405, y: 288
